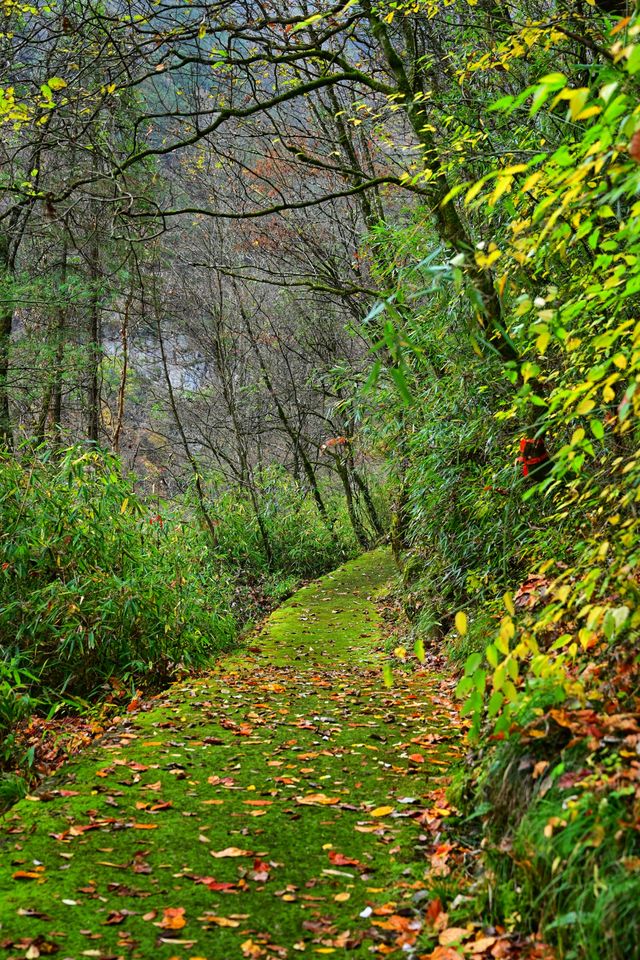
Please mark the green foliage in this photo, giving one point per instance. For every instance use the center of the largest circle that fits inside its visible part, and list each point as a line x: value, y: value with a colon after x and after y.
x: 15, y: 705
x: 94, y: 582
x: 468, y: 532
x: 303, y: 545
x: 545, y: 565
x: 573, y: 216
x: 570, y: 869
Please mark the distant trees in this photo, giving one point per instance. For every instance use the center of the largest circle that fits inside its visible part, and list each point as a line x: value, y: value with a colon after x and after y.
x: 216, y: 179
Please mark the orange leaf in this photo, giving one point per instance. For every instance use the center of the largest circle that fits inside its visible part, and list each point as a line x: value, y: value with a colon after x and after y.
x: 433, y: 911
x: 173, y: 919
x: 453, y: 935
x: 28, y: 874
x: 317, y: 800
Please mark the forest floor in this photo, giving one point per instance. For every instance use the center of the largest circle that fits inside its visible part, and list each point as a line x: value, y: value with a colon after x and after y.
x: 285, y: 803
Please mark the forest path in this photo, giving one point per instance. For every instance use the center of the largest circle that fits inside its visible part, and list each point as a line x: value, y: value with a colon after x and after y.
x: 281, y: 805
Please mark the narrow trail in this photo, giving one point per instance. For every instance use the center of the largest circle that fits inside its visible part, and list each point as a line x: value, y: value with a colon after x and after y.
x: 281, y: 805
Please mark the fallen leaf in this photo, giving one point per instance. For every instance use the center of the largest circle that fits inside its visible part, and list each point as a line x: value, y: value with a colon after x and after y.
x: 445, y: 953
x: 481, y: 945
x: 173, y: 919
x: 231, y: 852
x: 29, y: 874
x: 453, y: 935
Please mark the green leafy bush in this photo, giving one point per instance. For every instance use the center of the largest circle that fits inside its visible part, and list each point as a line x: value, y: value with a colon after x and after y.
x: 302, y: 544
x: 92, y: 583
x: 95, y: 582
x: 15, y: 705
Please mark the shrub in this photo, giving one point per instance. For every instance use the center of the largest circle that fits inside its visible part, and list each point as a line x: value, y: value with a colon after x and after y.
x: 95, y: 582
x: 92, y: 583
x: 303, y: 544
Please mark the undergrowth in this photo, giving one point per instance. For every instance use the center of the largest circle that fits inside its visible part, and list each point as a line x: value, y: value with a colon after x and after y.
x: 100, y: 587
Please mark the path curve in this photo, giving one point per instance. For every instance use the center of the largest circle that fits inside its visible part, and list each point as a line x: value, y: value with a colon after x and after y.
x: 274, y: 808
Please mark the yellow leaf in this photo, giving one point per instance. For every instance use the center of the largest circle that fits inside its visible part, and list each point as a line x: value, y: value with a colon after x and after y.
x: 462, y: 623
x: 577, y: 101
x: 585, y: 406
x: 381, y: 811
x: 543, y: 342
x: 400, y: 652
x: 592, y: 111
x: 473, y: 191
x: 485, y: 260
x: 503, y: 185
x: 507, y: 632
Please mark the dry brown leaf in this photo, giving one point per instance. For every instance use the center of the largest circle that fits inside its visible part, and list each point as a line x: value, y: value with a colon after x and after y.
x: 231, y: 852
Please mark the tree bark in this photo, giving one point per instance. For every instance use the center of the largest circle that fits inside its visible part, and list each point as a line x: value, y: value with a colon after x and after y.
x: 206, y: 516
x: 299, y: 451
x: 94, y: 345
x: 6, y: 329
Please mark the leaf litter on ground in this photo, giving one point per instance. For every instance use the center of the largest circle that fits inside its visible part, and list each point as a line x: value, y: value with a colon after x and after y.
x: 293, y: 769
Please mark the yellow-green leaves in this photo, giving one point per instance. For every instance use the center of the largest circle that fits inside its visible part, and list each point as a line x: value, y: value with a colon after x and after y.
x: 505, y: 635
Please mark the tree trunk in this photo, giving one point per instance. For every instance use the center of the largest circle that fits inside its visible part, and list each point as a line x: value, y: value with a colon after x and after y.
x: 300, y: 452
x: 452, y: 230
x: 183, y: 437
x: 56, y: 408
x: 52, y: 397
x: 356, y: 523
x: 122, y: 388
x: 94, y: 346
x: 6, y: 328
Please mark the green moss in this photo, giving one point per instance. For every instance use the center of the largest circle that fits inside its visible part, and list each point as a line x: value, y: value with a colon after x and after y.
x: 300, y: 711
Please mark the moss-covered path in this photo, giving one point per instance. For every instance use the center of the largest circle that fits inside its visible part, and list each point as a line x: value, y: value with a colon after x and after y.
x: 279, y: 806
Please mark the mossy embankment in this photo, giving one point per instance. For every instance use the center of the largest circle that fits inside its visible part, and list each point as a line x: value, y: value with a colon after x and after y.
x: 275, y: 805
